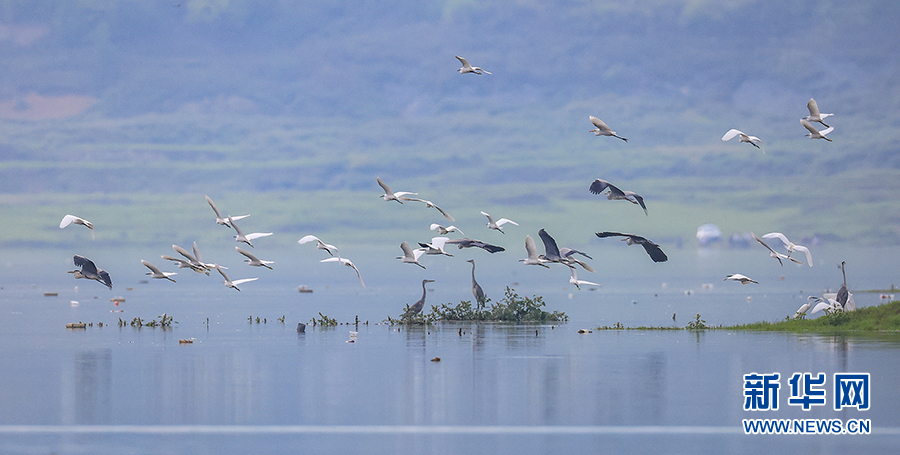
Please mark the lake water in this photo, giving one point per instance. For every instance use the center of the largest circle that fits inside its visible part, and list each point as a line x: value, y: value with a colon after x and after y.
x: 248, y: 387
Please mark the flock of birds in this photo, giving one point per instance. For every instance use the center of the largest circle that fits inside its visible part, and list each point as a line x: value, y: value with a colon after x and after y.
x: 553, y: 254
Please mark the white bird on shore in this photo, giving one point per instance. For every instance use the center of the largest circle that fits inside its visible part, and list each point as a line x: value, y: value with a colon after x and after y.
x: 240, y: 237
x: 495, y: 225
x: 814, y: 133
x: 155, y: 272
x: 347, y: 263
x: 468, y: 68
x: 803, y: 309
x: 790, y: 246
x: 410, y: 256
x: 390, y: 195
x: 741, y: 278
x: 752, y: 140
x: 829, y: 305
x: 602, y: 129
x: 814, y: 114
x: 331, y: 249
x: 233, y: 284
x: 70, y: 219
x: 533, y: 258
x: 445, y: 230
x: 574, y: 280
x: 219, y: 219
x: 253, y: 260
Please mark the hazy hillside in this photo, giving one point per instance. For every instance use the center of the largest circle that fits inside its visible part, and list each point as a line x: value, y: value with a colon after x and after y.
x: 242, y: 97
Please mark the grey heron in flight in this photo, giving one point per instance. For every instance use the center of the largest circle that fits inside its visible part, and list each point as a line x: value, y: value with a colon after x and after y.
x: 752, y: 140
x: 531, y: 250
x: 552, y: 253
x: 331, y: 249
x: 90, y: 271
x: 814, y: 114
x: 468, y: 68
x: 790, y: 246
x: 410, y: 256
x: 656, y: 253
x: 773, y: 253
x: 155, y: 272
x: 347, y: 263
x: 740, y: 278
x: 253, y: 260
x: 600, y: 185
x: 601, y: 129
x: 445, y: 230
x: 469, y: 243
x: 477, y: 292
x: 416, y: 308
x: 219, y: 219
x: 390, y: 195
x: 233, y: 284
x: 241, y: 237
x: 496, y: 225
x: 814, y: 133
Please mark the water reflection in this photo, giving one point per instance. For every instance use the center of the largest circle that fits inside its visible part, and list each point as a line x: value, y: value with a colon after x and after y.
x: 86, y: 388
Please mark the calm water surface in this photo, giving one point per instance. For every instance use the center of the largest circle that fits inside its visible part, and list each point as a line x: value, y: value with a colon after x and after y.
x: 247, y: 387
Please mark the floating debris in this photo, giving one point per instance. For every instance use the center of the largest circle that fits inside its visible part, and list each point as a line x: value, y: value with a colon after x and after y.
x: 304, y: 289
x: 76, y: 325
x: 301, y: 327
x: 436, y: 359
x: 186, y: 341
x: 584, y: 331
x: 51, y: 294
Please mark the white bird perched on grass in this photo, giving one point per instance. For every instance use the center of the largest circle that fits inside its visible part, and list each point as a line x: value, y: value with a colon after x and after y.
x: 348, y: 263
x: 69, y: 219
x: 468, y: 68
x: 410, y: 256
x: 602, y: 129
x: 390, y: 195
x: 155, y: 272
x: 814, y: 114
x: 533, y: 258
x: 814, y: 133
x: 495, y: 225
x: 801, y: 312
x: 428, y: 204
x: 331, y: 249
x: 233, y: 284
x: 574, y: 280
x: 219, y: 219
x: 752, y: 140
x: 445, y: 230
x: 790, y: 246
x: 829, y: 305
x: 740, y: 278
x: 436, y: 246
x: 253, y: 260
x: 240, y: 237
x: 773, y: 253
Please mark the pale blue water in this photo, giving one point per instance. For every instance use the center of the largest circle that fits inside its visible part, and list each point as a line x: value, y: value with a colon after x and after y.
x: 246, y: 387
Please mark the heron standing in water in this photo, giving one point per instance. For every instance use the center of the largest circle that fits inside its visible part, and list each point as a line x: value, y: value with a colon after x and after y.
x: 476, y: 288
x: 416, y: 308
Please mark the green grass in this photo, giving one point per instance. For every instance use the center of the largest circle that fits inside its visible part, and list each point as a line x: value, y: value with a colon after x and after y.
x: 880, y: 318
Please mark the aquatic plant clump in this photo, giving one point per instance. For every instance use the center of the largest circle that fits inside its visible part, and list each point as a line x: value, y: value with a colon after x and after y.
x: 512, y: 308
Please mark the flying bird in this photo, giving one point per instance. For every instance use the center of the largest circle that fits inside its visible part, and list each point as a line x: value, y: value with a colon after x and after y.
x: 656, y: 253
x: 752, y: 140
x: 741, y: 278
x: 253, y: 260
x: 773, y: 253
x: 469, y: 243
x: 445, y: 230
x: 533, y: 258
x: 600, y: 185
x: 814, y: 114
x: 233, y: 284
x: 219, y: 219
x: 574, y: 280
x: 390, y: 195
x: 410, y: 256
x: 468, y: 68
x: 602, y: 129
x: 436, y: 246
x: 331, y: 249
x: 495, y: 225
x: 195, y: 263
x: 348, y: 263
x: 552, y: 253
x: 477, y: 292
x: 90, y: 271
x: 240, y: 237
x: 790, y: 246
x: 428, y: 204
x: 155, y: 272
x: 70, y: 219
x: 814, y: 133
x: 416, y: 308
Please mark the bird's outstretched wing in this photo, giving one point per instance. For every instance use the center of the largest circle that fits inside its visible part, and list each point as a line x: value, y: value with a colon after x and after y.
x: 731, y: 134
x: 87, y: 266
